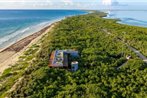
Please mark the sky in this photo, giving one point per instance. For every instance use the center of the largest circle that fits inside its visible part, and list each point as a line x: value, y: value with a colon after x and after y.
x: 63, y: 4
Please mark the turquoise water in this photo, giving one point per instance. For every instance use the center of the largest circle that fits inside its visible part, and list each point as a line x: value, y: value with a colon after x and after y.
x: 129, y: 13
x: 135, y: 18
x: 17, y: 24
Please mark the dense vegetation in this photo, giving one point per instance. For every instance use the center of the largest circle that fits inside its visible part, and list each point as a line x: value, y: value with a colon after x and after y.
x: 100, y: 43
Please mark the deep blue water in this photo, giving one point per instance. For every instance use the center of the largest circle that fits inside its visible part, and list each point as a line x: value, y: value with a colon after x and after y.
x: 16, y: 24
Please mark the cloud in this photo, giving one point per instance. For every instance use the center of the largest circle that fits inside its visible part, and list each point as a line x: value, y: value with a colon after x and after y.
x: 67, y: 2
x: 52, y: 4
x: 106, y: 2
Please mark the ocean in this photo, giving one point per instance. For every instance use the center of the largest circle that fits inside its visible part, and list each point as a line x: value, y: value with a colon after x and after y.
x: 17, y: 24
x: 134, y: 18
x: 134, y: 14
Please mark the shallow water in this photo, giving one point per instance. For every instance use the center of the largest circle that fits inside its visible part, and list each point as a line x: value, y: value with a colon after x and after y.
x: 135, y: 18
x: 132, y: 14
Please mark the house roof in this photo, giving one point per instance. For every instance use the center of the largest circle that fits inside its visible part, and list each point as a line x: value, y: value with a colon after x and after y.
x: 60, y: 58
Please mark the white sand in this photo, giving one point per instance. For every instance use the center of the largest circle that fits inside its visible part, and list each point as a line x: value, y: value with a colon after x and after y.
x: 8, y: 58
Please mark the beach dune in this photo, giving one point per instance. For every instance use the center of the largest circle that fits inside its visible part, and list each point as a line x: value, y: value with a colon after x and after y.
x: 11, y: 54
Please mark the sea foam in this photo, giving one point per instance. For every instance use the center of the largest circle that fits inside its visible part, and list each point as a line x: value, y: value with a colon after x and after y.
x: 22, y: 33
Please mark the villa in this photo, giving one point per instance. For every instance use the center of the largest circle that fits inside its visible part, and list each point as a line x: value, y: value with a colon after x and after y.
x: 64, y: 59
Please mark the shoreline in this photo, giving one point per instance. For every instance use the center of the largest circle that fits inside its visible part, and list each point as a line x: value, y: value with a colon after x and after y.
x: 24, y: 41
x: 11, y: 54
x: 121, y: 21
x: 33, y: 28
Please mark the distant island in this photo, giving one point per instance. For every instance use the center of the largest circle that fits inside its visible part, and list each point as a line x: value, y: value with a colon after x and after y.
x: 112, y: 62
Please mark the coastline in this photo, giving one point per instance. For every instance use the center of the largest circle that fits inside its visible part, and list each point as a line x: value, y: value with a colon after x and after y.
x: 11, y: 54
x: 137, y: 22
x: 23, y: 33
x: 30, y: 23
x: 106, y: 48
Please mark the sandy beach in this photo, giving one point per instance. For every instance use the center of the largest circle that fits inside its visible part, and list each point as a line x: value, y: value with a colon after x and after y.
x: 11, y: 54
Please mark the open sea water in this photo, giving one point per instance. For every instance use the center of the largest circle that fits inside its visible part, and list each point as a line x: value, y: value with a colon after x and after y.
x: 17, y: 24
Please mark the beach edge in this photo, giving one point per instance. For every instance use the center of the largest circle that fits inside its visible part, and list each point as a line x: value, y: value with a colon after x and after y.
x: 10, y: 55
